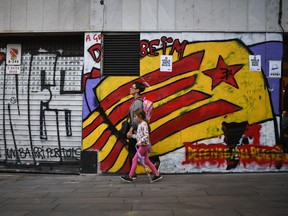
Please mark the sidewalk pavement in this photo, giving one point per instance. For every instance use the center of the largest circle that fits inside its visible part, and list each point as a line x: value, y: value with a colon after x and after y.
x: 235, y: 194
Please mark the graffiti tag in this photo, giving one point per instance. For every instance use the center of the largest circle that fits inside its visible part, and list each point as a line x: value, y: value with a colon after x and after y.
x: 150, y: 47
x: 42, y: 153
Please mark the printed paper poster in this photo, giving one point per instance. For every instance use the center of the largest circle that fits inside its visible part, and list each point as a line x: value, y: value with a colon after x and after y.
x: 275, y: 69
x: 166, y: 63
x: 255, y: 62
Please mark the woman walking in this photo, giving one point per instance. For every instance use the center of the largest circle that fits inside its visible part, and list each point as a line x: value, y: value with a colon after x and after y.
x: 136, y: 89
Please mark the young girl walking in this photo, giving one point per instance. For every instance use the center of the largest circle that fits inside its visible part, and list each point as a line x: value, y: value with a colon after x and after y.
x: 143, y: 144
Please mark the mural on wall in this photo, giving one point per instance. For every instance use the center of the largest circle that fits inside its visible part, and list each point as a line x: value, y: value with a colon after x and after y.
x: 211, y: 112
x: 41, y: 108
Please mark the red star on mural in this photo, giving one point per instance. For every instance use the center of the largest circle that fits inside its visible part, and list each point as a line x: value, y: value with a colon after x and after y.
x: 223, y: 73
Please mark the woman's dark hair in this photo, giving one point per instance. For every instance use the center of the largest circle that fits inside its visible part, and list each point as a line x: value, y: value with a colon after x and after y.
x: 140, y: 86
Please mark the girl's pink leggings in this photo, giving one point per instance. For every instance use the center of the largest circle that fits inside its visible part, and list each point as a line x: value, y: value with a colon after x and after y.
x: 143, y: 150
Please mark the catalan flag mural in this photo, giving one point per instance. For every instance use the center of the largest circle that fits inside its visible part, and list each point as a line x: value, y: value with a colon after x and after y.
x: 209, y: 110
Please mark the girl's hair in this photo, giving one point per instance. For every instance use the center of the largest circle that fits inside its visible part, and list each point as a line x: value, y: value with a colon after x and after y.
x: 140, y: 113
x: 140, y: 86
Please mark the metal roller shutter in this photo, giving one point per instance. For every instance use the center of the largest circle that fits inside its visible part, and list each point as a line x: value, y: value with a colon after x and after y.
x: 121, y: 54
x: 41, y: 115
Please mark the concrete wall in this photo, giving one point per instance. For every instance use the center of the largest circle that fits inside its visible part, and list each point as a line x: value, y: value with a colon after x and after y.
x: 141, y: 15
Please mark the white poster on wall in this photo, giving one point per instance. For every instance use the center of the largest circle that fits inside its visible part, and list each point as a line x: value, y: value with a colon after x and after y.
x: 255, y: 62
x: 166, y: 63
x: 275, y: 69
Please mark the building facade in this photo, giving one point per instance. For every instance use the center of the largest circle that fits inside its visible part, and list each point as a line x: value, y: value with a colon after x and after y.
x: 215, y: 70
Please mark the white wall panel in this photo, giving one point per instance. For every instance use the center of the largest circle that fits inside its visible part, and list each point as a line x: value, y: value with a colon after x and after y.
x: 5, y: 14
x: 238, y: 19
x: 184, y: 14
x: 220, y: 15
x: 202, y: 15
x: 149, y: 16
x: 284, y: 20
x: 257, y: 15
x: 50, y: 15
x: 18, y: 15
x: 113, y: 15
x: 272, y: 18
x: 82, y: 13
x: 66, y: 14
x: 131, y: 15
x: 34, y: 14
x: 96, y: 15
x: 166, y: 15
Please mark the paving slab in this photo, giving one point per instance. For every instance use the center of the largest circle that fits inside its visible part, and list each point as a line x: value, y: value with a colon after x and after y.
x: 103, y: 213
x: 206, y: 212
x: 94, y: 207
x: 14, y: 213
x: 234, y: 194
x: 27, y: 207
x: 264, y: 211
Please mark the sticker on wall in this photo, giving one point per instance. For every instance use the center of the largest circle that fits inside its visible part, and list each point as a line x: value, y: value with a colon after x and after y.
x: 13, y: 100
x: 166, y: 63
x: 13, y: 69
x: 275, y: 69
x: 13, y: 54
x: 255, y: 62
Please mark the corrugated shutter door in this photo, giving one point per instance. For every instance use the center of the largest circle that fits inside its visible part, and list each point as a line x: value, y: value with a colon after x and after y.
x: 121, y: 54
x: 41, y: 115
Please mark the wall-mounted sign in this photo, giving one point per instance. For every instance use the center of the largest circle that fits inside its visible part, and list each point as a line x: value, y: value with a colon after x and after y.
x: 166, y: 63
x: 13, y: 69
x: 255, y: 62
x: 275, y: 69
x: 13, y: 54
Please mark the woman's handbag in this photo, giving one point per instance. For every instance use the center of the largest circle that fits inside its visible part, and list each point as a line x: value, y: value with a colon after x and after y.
x: 125, y: 128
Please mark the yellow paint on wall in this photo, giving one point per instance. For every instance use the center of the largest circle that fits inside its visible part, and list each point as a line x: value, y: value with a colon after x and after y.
x: 120, y: 161
x: 110, y: 84
x: 89, y: 140
x: 252, y: 95
x: 104, y: 152
x: 90, y: 119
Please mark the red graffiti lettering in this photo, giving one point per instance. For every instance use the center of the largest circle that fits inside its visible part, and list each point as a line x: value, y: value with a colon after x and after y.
x: 200, y: 154
x: 179, y: 47
x: 144, y: 48
x: 253, y: 131
x: 165, y: 40
x: 95, y: 52
x: 150, y: 47
x: 95, y: 37
x: 87, y: 38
